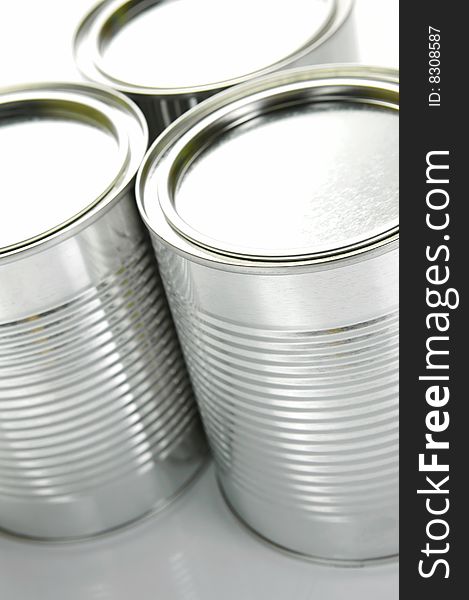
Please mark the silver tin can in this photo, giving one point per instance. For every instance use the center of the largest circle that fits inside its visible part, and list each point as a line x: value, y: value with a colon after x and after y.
x: 169, y: 55
x: 273, y: 209
x: 97, y: 420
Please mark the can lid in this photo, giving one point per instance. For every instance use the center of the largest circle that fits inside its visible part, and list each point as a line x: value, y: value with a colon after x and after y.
x: 182, y: 46
x: 299, y: 166
x: 64, y: 149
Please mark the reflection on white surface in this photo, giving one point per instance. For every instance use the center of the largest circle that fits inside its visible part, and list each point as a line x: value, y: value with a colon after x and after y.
x: 195, y: 550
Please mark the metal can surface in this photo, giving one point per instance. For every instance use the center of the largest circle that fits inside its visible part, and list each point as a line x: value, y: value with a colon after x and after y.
x: 98, y: 425
x: 273, y: 210
x: 169, y: 55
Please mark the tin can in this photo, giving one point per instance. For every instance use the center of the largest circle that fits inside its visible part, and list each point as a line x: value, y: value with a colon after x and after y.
x: 169, y: 55
x: 98, y: 425
x: 273, y: 210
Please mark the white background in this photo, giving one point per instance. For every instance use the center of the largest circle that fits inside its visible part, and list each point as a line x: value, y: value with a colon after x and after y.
x: 195, y: 550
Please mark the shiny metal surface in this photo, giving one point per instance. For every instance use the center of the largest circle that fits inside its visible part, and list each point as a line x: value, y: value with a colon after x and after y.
x: 55, y: 134
x: 97, y: 421
x: 128, y: 49
x: 170, y: 55
x: 294, y: 358
x: 195, y: 550
x: 293, y: 182
x: 22, y: 149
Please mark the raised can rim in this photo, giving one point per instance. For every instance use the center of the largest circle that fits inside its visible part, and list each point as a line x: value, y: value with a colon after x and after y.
x: 87, y: 37
x: 104, y: 107
x: 154, y: 185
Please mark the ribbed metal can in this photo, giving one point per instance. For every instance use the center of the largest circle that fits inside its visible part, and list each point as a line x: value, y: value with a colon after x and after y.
x: 273, y: 210
x: 170, y: 55
x: 98, y: 424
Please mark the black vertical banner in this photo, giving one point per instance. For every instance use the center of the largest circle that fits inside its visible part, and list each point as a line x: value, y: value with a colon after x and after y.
x: 434, y: 202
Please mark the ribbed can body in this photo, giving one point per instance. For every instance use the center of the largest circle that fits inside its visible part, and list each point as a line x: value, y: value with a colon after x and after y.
x: 98, y: 424
x: 296, y: 376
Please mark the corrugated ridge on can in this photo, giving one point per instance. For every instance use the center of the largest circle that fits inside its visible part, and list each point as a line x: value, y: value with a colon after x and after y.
x: 66, y: 436
x: 98, y: 425
x: 294, y: 357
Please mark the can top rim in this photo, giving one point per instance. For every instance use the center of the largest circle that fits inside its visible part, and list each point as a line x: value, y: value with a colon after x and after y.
x: 172, y: 153
x: 90, y: 34
x: 73, y: 108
